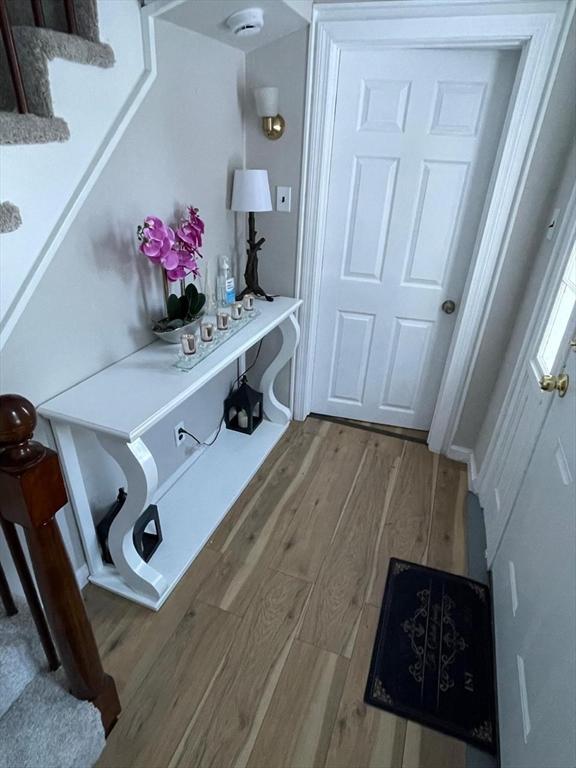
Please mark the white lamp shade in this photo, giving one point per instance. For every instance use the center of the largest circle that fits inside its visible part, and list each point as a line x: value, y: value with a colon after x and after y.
x: 266, y: 101
x: 251, y: 191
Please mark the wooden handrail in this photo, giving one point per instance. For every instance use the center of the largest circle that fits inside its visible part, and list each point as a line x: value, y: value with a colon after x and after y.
x: 31, y: 493
x: 12, y: 57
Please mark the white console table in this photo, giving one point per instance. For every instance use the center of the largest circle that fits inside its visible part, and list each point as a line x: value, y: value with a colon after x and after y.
x: 120, y: 404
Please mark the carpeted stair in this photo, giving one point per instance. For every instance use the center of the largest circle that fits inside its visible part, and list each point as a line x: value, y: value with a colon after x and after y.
x: 41, y: 724
x: 10, y: 218
x: 36, y: 46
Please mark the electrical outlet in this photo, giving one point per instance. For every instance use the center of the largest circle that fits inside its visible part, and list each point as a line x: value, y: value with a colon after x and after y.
x: 179, y: 438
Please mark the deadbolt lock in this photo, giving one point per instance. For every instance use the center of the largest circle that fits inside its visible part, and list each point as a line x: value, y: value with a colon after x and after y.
x: 552, y: 383
x: 448, y: 306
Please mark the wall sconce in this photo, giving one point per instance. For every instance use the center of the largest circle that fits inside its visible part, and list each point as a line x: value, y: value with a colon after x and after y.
x: 273, y: 124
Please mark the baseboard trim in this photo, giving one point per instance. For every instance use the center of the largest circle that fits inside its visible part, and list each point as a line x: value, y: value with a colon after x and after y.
x: 465, y: 456
x: 82, y: 574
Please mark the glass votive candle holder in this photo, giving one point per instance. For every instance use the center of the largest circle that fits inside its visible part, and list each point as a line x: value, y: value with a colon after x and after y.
x: 236, y: 310
x: 248, y: 302
x: 207, y: 332
x: 223, y: 321
x: 188, y: 342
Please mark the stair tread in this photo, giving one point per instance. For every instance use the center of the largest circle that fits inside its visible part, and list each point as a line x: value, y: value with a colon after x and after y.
x: 21, y: 656
x: 56, y: 44
x: 36, y: 47
x: 31, y: 129
x: 47, y: 726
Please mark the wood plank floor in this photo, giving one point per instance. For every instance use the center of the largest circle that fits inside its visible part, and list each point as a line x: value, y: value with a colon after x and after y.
x: 260, y: 656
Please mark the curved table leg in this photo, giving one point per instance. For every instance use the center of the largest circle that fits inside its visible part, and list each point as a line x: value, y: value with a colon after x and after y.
x: 274, y: 409
x: 142, y: 479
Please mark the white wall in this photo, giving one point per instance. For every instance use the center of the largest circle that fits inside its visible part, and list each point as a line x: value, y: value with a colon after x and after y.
x: 40, y: 178
x: 94, y: 304
x: 282, y: 64
x: 496, y: 355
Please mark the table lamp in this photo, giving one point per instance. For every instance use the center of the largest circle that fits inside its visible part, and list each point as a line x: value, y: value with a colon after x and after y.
x: 250, y: 194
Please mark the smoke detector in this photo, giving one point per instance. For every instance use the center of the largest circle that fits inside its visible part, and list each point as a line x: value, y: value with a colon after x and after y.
x: 246, y: 22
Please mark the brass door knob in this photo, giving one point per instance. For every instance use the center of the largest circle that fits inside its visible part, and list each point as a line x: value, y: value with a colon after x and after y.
x: 558, y: 383
x: 448, y: 306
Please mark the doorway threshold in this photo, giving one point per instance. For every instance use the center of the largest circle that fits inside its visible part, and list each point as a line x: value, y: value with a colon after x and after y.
x: 369, y: 427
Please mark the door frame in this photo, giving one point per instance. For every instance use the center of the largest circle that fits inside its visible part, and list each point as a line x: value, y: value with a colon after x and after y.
x: 538, y: 29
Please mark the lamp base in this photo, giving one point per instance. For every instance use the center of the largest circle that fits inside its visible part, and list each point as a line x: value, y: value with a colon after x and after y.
x: 255, y: 292
x: 251, y: 273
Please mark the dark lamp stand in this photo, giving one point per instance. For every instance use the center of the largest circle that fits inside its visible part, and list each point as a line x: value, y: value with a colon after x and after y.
x: 251, y: 272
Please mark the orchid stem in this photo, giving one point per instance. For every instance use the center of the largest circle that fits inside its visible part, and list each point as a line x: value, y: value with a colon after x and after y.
x: 166, y: 288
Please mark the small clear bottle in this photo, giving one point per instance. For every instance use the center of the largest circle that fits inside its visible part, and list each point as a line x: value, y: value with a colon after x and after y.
x: 226, y: 294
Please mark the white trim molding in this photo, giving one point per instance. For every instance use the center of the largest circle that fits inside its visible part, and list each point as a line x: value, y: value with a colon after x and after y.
x: 538, y: 29
x: 465, y: 456
x: 82, y: 573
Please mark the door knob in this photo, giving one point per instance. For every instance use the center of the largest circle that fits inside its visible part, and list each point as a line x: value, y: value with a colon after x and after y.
x: 448, y: 306
x: 559, y: 383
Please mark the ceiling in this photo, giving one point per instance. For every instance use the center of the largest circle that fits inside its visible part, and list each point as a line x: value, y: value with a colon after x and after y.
x: 281, y: 18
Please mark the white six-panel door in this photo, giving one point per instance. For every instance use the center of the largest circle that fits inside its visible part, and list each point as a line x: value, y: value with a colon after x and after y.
x: 415, y: 138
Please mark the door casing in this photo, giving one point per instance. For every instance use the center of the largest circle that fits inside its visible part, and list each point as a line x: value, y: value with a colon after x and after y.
x: 539, y: 29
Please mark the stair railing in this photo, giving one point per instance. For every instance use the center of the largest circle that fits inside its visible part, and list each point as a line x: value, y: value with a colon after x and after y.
x: 10, y: 46
x: 38, y: 11
x: 70, y: 10
x: 12, y: 57
x: 31, y: 493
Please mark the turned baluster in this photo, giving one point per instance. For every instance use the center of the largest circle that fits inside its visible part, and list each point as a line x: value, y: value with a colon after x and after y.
x: 31, y: 493
x: 12, y: 58
x: 29, y: 589
x: 38, y: 13
x: 71, y: 20
x: 6, y: 595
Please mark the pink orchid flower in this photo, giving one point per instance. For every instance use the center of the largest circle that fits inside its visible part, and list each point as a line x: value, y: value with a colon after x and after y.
x: 187, y: 264
x: 178, y: 273
x: 158, y: 242
x: 176, y: 251
x: 191, y: 229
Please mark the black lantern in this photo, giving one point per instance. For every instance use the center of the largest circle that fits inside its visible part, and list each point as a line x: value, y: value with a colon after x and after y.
x: 243, y: 409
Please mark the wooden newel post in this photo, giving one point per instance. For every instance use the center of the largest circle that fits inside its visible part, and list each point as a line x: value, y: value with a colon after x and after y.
x: 31, y: 493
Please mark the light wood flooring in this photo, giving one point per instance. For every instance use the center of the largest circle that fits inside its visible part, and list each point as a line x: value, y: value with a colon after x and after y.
x: 260, y: 656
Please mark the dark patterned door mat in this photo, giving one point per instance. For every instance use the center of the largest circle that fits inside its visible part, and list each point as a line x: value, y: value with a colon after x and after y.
x: 433, y: 657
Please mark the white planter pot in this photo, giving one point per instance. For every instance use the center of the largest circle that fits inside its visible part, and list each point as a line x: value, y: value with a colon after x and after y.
x: 173, y: 337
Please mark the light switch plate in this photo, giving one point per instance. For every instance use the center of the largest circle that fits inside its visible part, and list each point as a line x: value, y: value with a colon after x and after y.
x: 283, y: 199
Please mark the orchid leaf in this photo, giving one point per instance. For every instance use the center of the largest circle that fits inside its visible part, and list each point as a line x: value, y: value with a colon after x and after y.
x: 183, y: 306
x: 198, y: 305
x: 172, y: 305
x: 191, y: 293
